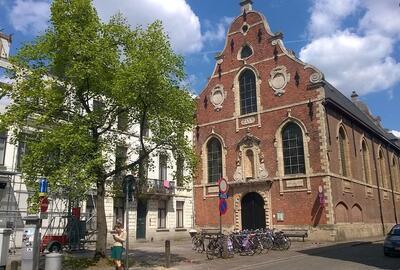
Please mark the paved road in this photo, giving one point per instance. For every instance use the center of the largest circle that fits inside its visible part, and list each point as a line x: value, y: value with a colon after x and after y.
x: 308, y: 256
x: 356, y: 255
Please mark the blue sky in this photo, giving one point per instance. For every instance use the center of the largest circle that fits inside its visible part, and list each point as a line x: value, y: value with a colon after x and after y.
x: 355, y: 43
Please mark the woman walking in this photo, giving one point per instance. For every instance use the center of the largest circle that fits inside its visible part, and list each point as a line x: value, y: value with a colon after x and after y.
x: 116, y: 251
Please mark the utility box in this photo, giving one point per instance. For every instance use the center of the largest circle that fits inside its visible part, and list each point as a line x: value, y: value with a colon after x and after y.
x: 4, y: 244
x: 31, y: 243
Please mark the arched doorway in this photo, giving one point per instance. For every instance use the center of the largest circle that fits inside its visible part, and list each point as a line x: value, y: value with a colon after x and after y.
x: 253, y: 213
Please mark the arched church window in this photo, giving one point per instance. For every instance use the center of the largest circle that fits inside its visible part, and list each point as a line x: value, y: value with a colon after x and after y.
x: 214, y: 160
x: 366, y: 163
x: 343, y: 153
x: 246, y: 52
x: 395, y: 172
x: 293, y: 149
x: 248, y: 97
x: 382, y: 168
x: 249, y: 165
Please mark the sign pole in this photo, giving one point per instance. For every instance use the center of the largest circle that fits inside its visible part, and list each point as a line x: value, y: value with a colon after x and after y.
x: 127, y: 231
x: 220, y: 216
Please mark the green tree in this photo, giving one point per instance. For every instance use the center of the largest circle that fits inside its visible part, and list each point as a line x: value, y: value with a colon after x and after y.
x: 73, y: 84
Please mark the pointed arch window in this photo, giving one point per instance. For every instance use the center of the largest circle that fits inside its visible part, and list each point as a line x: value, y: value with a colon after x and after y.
x: 343, y: 153
x: 395, y: 170
x: 382, y: 169
x: 293, y: 149
x: 366, y: 163
x: 214, y: 160
x: 246, y: 52
x: 248, y: 95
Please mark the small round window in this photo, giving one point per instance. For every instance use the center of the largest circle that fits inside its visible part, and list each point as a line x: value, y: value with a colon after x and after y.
x: 245, y: 28
x: 246, y: 52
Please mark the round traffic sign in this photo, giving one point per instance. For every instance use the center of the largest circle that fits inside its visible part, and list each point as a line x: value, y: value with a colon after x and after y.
x: 44, y: 204
x: 223, y: 185
x: 223, y: 206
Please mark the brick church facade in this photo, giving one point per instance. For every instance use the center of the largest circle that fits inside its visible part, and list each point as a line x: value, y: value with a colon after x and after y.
x: 295, y: 151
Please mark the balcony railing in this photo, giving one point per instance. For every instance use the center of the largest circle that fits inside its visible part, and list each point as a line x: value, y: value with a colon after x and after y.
x: 161, y: 187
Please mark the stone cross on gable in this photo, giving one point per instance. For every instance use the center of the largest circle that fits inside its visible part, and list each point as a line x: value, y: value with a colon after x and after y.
x: 246, y: 5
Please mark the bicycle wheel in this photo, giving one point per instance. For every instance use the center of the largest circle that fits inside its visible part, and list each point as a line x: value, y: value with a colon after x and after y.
x: 287, y: 243
x: 210, y: 250
x: 267, y: 243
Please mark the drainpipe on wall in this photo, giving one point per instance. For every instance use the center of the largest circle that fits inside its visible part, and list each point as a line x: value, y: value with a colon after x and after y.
x: 391, y: 183
x: 379, y: 190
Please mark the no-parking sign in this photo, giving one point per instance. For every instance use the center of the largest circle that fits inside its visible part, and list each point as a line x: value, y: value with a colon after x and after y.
x: 223, y: 206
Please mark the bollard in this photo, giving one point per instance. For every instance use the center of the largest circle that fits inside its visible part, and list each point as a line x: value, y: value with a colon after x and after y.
x: 53, y: 261
x: 14, y: 265
x: 167, y: 253
x: 224, y: 246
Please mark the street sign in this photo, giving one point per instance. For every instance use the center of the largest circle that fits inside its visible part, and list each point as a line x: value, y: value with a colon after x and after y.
x: 223, y: 195
x: 44, y: 204
x: 223, y: 206
x: 43, y: 186
x: 223, y: 185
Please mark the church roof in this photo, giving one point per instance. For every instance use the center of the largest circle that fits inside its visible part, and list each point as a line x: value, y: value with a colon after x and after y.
x: 334, y: 96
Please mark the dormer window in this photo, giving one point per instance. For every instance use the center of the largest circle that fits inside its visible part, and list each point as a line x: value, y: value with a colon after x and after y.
x: 246, y: 52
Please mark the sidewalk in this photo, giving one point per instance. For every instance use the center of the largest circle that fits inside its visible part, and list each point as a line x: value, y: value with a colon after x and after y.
x: 150, y: 255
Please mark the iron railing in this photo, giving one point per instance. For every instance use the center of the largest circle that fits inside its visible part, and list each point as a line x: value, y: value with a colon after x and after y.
x: 157, y: 186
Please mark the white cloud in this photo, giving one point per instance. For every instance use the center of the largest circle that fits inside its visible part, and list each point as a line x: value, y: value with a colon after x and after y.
x: 352, y: 62
x: 396, y: 133
x: 179, y: 20
x: 29, y: 16
x: 355, y: 58
x: 326, y: 15
x: 218, y: 32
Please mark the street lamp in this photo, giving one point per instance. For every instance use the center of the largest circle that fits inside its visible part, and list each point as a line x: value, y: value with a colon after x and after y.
x: 128, y: 188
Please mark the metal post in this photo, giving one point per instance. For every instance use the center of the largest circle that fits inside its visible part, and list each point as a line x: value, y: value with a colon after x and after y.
x: 127, y: 231
x: 167, y: 253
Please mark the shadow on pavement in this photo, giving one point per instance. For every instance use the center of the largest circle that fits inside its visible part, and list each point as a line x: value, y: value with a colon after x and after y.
x: 366, y: 253
x: 153, y: 259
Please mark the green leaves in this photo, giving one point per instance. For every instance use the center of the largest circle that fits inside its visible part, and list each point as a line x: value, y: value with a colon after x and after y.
x: 133, y: 73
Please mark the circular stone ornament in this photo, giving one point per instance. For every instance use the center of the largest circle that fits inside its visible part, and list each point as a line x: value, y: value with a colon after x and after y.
x: 279, y: 78
x: 217, y: 97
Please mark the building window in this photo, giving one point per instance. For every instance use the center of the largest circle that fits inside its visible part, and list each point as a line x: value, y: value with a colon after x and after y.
x: 343, y: 152
x: 162, y: 165
x: 179, y: 214
x: 248, y: 94
x: 366, y: 163
x: 22, y: 150
x: 293, y: 149
x: 246, y: 52
x: 395, y: 172
x: 214, y: 159
x: 180, y: 162
x: 382, y: 169
x: 162, y: 215
x: 122, y: 123
x: 121, y: 157
x: 119, y: 209
x: 3, y: 144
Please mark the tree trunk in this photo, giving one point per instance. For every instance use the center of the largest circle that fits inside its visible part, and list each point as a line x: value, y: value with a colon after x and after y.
x: 101, y: 223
